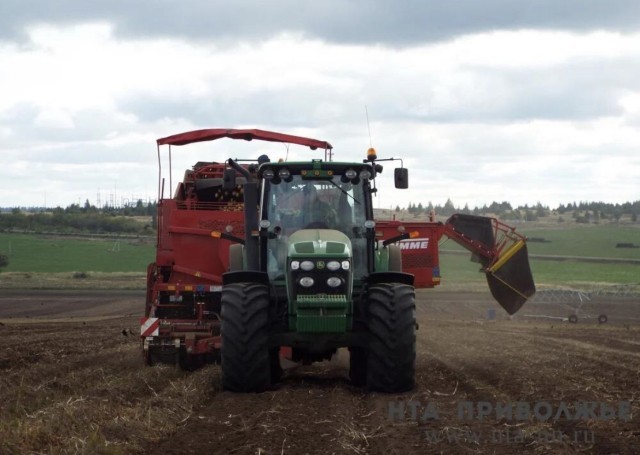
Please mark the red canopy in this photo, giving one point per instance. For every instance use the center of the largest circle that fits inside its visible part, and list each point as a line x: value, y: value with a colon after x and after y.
x: 248, y: 135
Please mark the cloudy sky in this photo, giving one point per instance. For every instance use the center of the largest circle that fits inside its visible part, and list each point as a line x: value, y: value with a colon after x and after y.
x: 535, y: 101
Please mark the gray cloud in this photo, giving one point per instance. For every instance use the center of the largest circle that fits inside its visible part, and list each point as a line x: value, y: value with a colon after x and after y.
x: 354, y: 21
x: 87, y: 126
x: 573, y: 91
x: 479, y: 122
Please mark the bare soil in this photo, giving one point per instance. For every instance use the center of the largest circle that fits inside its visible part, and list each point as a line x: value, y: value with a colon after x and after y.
x: 72, y: 381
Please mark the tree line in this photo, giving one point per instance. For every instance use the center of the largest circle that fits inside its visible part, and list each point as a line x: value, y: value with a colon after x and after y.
x: 88, y: 218
x: 582, y: 212
x: 85, y: 218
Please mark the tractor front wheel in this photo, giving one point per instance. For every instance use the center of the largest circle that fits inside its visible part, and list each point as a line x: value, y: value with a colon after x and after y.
x: 245, y: 356
x: 391, y: 321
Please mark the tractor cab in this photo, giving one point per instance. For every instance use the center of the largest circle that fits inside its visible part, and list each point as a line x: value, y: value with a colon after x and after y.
x: 316, y: 197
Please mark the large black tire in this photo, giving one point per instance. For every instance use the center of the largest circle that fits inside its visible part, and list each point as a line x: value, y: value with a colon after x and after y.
x: 391, y: 359
x: 246, y: 363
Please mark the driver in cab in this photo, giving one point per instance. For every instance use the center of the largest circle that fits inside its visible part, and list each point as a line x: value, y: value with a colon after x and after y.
x: 317, y: 214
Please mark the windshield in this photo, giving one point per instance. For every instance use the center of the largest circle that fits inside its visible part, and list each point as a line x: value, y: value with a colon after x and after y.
x: 315, y: 204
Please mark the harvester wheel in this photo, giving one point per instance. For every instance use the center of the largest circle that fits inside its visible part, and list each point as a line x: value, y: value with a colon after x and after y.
x: 246, y: 362
x: 191, y: 362
x: 163, y: 357
x: 391, y: 359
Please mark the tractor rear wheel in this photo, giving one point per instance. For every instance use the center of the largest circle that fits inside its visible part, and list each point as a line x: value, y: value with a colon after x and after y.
x: 246, y: 362
x: 391, y: 359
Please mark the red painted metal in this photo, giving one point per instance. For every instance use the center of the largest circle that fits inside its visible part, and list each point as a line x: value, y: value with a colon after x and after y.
x: 420, y: 254
x: 212, y: 134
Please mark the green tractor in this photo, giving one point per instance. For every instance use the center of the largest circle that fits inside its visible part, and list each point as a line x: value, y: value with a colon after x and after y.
x: 308, y: 270
x: 312, y: 276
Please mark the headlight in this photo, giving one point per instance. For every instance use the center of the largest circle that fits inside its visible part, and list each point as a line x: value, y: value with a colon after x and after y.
x: 345, y: 265
x: 351, y: 174
x: 369, y: 224
x: 284, y: 173
x: 268, y: 174
x: 306, y: 281
x: 365, y: 174
x: 295, y: 265
x: 333, y: 265
x: 265, y: 224
x: 307, y: 265
x: 334, y: 282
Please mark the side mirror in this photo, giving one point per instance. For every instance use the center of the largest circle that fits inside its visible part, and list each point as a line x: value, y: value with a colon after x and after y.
x: 229, y: 179
x: 401, y: 177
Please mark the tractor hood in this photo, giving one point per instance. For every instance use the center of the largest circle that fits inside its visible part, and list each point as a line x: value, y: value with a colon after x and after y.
x: 319, y: 281
x: 320, y: 242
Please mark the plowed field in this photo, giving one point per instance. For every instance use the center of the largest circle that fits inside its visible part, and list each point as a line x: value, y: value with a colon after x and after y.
x: 72, y: 381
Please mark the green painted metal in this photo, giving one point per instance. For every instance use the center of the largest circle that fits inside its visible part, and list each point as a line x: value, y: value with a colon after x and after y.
x: 319, y: 313
x: 321, y: 324
x: 322, y: 301
x: 382, y: 259
x: 320, y: 243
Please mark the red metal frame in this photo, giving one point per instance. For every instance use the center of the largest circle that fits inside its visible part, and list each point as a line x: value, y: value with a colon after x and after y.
x: 503, y: 234
x: 190, y: 137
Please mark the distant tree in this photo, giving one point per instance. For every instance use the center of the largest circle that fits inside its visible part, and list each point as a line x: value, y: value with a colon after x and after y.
x: 4, y: 261
x: 430, y: 207
x: 541, y: 211
x: 449, y: 208
x: 617, y: 214
x: 397, y: 208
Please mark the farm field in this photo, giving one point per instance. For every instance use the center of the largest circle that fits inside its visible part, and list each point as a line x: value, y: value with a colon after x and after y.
x: 47, y: 262
x: 34, y: 253
x: 71, y: 382
x: 72, y: 378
